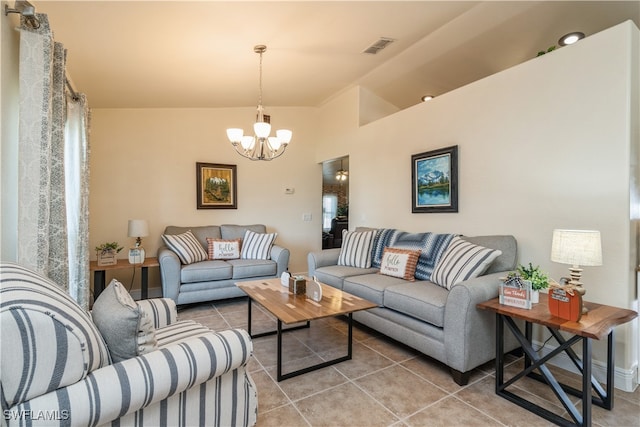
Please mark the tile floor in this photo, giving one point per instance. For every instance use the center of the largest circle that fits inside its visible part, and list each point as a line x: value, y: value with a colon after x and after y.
x: 385, y: 384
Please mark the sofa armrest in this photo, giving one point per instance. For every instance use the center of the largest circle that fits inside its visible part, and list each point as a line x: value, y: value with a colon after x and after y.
x: 469, y: 333
x: 322, y: 259
x: 162, y: 311
x: 281, y: 256
x: 169, y: 272
x: 123, y: 388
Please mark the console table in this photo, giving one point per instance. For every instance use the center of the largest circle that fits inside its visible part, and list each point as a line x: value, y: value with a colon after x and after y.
x: 598, y: 323
x: 99, y: 274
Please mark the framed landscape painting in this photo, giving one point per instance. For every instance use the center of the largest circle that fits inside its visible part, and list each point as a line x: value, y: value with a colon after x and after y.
x: 216, y: 186
x: 434, y: 181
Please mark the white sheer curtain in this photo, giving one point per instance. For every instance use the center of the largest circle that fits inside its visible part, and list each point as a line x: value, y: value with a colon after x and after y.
x: 44, y: 198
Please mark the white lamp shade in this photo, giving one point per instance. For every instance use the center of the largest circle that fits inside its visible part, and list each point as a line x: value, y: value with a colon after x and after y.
x: 284, y: 135
x: 262, y: 129
x: 576, y: 247
x: 275, y: 142
x: 138, y: 228
x: 247, y: 142
x: 235, y: 134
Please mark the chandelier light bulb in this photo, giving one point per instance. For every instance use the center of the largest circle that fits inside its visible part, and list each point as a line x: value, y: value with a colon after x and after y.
x: 248, y: 142
x: 275, y: 142
x: 284, y: 135
x: 235, y: 134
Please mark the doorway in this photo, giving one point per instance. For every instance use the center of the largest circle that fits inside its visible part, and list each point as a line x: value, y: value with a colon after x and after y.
x: 335, y: 201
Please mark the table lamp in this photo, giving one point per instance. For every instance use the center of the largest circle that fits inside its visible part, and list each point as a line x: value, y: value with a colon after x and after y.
x: 576, y: 248
x: 138, y: 228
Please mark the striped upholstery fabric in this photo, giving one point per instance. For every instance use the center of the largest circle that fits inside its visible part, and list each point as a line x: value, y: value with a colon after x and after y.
x: 161, y: 310
x: 257, y: 245
x: 356, y: 248
x: 199, y: 381
x: 48, y: 341
x: 461, y: 261
x: 186, y: 246
x: 57, y: 372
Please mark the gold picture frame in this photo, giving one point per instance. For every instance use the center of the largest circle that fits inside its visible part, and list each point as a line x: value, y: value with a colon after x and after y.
x: 216, y: 186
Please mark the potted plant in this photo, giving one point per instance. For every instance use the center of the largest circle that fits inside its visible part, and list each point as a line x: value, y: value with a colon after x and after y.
x: 539, y: 279
x: 106, y: 253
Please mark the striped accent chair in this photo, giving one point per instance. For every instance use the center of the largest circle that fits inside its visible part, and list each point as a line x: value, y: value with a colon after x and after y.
x: 56, y: 368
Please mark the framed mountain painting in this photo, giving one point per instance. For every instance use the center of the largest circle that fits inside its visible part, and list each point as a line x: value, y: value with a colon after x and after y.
x: 434, y: 181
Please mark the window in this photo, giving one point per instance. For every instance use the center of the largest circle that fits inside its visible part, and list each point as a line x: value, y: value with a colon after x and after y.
x: 329, y: 209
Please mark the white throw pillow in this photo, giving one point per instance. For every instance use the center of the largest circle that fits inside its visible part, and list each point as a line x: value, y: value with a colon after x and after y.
x: 257, y: 245
x: 186, y: 246
x: 356, y: 248
x: 400, y: 263
x: 223, y: 249
x: 462, y: 261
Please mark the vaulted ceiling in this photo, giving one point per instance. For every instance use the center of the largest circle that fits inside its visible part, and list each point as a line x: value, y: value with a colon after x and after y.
x: 161, y: 54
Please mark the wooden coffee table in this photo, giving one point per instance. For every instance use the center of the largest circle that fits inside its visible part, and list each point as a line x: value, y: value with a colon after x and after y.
x: 289, y: 309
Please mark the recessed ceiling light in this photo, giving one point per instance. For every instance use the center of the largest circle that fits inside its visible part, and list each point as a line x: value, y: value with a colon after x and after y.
x: 570, y: 38
x: 427, y: 98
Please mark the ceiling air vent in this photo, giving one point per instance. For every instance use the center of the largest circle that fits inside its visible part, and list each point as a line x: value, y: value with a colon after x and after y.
x: 380, y: 44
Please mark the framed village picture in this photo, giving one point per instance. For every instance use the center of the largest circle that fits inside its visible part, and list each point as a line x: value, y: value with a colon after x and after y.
x: 216, y: 186
x: 434, y: 181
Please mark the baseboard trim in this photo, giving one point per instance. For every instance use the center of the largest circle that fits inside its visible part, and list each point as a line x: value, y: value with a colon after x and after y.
x: 625, y: 380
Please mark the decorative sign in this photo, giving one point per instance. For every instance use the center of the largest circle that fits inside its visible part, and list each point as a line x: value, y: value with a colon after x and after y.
x: 516, y: 293
x: 565, y: 304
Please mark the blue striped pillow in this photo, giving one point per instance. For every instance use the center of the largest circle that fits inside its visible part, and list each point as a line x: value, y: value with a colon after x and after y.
x: 462, y: 261
x: 257, y: 245
x: 356, y: 248
x: 186, y: 246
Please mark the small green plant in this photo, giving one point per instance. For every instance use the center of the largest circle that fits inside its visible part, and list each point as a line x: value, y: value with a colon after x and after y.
x: 538, y: 278
x: 542, y: 52
x: 106, y: 247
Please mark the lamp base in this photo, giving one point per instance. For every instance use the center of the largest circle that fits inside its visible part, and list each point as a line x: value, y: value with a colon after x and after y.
x: 136, y: 255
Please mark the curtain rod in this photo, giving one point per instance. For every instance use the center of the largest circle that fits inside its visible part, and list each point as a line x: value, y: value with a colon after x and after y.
x: 25, y: 9
x: 74, y: 94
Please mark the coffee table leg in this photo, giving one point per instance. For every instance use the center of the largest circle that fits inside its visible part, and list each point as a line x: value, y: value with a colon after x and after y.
x: 279, y: 355
x: 249, y: 319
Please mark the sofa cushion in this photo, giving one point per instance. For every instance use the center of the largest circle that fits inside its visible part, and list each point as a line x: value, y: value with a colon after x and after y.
x: 206, y: 271
x: 333, y: 275
x: 232, y: 231
x: 127, y: 330
x: 245, y: 268
x: 223, y: 249
x: 186, y: 246
x: 257, y: 245
x: 421, y: 299
x: 36, y: 318
x: 399, y: 263
x: 462, y: 261
x: 356, y: 248
x: 430, y: 245
x: 201, y: 232
x: 370, y: 286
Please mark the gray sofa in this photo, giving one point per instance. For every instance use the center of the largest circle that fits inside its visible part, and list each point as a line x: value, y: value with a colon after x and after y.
x: 443, y: 324
x: 215, y: 279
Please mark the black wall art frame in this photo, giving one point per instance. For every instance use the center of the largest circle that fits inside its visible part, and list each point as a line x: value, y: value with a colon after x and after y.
x: 434, y: 181
x: 216, y: 186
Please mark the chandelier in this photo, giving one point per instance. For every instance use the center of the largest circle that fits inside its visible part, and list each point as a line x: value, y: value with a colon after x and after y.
x: 261, y: 146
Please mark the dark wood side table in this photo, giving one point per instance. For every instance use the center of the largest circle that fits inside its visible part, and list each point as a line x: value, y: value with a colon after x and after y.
x: 99, y: 274
x: 598, y: 323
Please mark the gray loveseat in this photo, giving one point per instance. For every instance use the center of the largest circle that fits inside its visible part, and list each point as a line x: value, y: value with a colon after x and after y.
x: 443, y: 324
x: 215, y: 279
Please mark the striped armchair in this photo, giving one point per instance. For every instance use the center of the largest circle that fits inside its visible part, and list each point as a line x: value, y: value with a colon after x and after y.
x: 56, y: 369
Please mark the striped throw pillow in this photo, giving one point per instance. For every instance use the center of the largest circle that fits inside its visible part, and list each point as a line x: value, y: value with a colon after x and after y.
x: 186, y: 246
x: 223, y: 249
x: 462, y: 261
x: 257, y: 245
x: 400, y: 263
x: 356, y: 248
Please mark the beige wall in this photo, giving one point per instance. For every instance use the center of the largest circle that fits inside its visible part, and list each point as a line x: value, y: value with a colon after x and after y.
x: 9, y: 51
x: 546, y: 144
x: 143, y: 166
